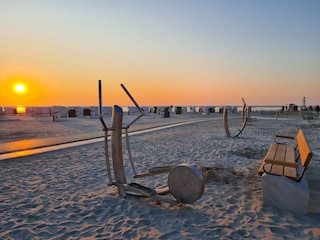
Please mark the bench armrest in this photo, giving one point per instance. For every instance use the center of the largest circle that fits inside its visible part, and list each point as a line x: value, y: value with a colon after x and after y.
x: 286, y: 164
x: 278, y: 138
x: 284, y: 136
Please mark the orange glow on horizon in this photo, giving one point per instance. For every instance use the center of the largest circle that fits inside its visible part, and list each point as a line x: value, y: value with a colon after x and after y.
x: 33, y: 87
x: 21, y: 109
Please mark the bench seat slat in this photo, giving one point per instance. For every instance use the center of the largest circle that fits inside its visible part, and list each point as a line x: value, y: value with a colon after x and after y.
x: 290, y: 172
x: 270, y: 155
x: 281, y: 153
x: 272, y: 151
x: 279, y: 156
x: 277, y: 169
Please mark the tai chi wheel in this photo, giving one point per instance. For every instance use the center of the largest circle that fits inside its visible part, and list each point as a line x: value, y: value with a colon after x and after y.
x: 186, y: 183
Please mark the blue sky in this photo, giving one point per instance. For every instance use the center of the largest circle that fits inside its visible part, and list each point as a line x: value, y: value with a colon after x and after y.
x: 197, y: 52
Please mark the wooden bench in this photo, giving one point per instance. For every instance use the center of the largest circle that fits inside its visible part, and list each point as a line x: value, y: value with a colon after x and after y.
x: 283, y: 174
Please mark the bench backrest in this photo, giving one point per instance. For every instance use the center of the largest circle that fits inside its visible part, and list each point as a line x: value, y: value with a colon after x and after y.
x: 304, y: 149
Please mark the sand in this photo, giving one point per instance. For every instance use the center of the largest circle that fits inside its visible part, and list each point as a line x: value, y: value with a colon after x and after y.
x: 64, y: 194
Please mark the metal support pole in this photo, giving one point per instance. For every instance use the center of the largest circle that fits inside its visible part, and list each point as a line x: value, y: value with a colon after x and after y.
x: 136, y: 104
x: 225, y: 121
x: 105, y: 129
x: 244, y: 115
x: 116, y: 145
x: 100, y: 98
x: 129, y: 152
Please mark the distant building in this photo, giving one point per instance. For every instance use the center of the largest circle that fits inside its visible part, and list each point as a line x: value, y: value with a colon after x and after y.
x: 292, y: 107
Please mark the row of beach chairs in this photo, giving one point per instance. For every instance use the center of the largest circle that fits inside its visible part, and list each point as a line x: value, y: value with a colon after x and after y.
x: 93, y: 111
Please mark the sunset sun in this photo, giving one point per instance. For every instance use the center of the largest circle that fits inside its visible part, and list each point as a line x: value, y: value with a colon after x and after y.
x: 20, y: 88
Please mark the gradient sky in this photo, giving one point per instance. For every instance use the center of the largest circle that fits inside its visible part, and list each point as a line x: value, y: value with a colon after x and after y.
x: 168, y: 52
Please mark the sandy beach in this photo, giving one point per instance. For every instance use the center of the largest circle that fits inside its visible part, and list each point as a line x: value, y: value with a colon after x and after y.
x: 64, y: 194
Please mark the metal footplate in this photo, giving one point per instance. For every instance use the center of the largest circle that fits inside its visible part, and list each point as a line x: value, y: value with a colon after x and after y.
x: 137, y: 189
x: 144, y: 191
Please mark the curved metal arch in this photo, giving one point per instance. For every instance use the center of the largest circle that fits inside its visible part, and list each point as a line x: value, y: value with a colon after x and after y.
x: 244, y: 120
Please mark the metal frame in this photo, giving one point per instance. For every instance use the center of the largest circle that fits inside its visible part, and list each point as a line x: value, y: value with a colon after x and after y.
x: 120, y: 180
x: 244, y: 120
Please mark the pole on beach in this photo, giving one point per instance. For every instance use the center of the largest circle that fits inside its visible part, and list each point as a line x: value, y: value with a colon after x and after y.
x: 100, y: 98
x: 225, y: 121
x: 136, y: 104
x: 105, y: 129
x: 116, y: 145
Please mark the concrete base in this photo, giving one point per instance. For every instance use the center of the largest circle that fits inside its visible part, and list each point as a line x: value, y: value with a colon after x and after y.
x: 284, y: 193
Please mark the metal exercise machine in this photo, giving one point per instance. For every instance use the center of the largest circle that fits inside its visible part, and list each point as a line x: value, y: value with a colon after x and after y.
x: 185, y: 182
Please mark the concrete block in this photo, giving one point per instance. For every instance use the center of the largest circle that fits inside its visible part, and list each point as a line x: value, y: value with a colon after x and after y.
x: 284, y: 193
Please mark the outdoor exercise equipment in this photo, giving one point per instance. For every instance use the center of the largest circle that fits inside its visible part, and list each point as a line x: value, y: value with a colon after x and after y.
x: 185, y: 182
x: 244, y: 120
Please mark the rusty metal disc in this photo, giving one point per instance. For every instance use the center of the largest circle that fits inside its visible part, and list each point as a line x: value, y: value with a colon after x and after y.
x: 186, y: 183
